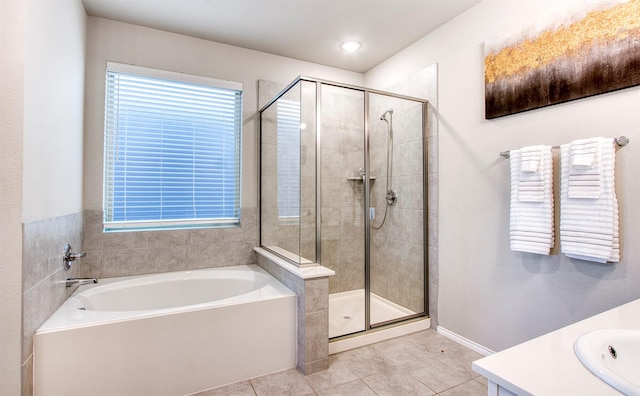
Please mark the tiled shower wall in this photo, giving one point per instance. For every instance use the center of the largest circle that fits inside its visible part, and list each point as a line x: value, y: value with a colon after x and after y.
x: 397, y: 246
x: 43, y: 278
x: 424, y: 84
x: 342, y: 214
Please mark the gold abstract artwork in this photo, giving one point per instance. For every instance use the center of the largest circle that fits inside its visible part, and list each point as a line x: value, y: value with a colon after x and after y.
x: 590, y: 49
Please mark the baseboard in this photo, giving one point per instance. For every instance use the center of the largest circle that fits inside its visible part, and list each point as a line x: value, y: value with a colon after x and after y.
x: 464, y: 341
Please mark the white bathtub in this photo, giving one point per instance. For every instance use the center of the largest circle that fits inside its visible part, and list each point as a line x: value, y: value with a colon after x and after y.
x: 167, y: 334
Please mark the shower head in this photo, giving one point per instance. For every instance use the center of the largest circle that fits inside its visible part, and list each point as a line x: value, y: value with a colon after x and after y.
x: 383, y: 117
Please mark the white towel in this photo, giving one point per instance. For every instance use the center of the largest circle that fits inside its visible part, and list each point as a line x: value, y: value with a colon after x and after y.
x: 531, y: 216
x: 589, y: 224
x: 585, y: 172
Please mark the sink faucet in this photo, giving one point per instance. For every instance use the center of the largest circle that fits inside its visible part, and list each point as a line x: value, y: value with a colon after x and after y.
x: 80, y: 281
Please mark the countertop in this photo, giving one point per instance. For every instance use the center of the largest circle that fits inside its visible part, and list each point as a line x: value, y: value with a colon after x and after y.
x: 547, y: 365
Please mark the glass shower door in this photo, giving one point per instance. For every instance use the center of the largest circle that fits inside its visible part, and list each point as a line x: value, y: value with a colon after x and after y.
x: 397, y: 229
x: 342, y: 206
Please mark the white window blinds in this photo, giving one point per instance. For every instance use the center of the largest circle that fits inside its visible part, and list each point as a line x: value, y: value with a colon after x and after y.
x: 288, y: 135
x: 172, y: 149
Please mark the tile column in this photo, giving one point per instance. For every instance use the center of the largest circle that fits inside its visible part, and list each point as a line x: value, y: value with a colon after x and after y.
x: 311, y: 285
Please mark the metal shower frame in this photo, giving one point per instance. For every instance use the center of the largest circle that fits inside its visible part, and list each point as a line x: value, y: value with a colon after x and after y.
x: 367, y: 188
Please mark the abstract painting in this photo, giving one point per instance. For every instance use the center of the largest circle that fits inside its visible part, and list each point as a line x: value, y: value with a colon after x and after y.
x: 589, y: 48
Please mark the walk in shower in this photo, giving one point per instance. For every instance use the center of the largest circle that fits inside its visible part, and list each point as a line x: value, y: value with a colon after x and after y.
x: 343, y: 184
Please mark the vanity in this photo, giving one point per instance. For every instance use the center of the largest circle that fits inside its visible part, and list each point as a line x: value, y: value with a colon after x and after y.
x: 548, y: 365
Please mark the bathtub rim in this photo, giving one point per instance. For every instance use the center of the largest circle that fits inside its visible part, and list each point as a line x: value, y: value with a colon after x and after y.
x: 68, y: 316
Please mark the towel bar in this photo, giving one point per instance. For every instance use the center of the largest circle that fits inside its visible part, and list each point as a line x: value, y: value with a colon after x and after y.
x: 620, y: 141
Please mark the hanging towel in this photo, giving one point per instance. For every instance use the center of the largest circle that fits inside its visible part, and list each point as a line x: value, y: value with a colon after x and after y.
x: 531, y: 208
x: 589, y: 224
x: 585, y: 172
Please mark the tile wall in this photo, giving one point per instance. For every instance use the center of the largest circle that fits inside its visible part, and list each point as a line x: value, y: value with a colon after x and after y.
x: 115, y: 254
x: 312, y: 314
x: 342, y: 211
x: 397, y: 246
x: 43, y: 278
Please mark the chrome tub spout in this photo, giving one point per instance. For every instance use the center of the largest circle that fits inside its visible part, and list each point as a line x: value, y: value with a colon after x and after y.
x: 80, y: 281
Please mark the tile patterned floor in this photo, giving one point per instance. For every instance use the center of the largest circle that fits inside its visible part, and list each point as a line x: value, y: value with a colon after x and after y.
x: 423, y: 363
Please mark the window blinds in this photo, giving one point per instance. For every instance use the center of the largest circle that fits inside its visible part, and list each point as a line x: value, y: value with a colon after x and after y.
x: 172, y: 152
x: 288, y: 134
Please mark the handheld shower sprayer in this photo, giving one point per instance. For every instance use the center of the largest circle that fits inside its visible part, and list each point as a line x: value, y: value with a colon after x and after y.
x: 383, y: 117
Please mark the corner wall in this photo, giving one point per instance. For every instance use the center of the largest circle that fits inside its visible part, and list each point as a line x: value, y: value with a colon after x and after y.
x: 52, y: 167
x: 487, y: 293
x: 12, y: 38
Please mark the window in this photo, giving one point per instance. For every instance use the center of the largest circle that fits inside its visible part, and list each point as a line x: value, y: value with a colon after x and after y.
x: 288, y: 135
x: 172, y: 149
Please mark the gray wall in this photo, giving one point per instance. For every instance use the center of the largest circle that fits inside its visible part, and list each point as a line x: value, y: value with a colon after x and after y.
x: 487, y: 293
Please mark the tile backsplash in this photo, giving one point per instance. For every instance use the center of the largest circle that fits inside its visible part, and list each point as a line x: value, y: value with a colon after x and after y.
x: 114, y: 254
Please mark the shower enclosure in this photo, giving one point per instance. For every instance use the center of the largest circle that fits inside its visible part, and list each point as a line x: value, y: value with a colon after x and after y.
x: 343, y: 184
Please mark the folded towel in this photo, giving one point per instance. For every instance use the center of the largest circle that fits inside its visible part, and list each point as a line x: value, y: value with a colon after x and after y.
x: 530, y: 159
x: 531, y: 217
x: 589, y: 225
x: 583, y: 154
x: 531, y: 176
x: 585, y: 173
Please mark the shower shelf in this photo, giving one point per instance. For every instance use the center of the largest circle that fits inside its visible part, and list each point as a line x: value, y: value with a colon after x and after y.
x: 359, y: 178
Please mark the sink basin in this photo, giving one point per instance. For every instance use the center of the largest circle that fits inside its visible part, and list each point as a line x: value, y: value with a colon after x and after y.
x: 613, y: 355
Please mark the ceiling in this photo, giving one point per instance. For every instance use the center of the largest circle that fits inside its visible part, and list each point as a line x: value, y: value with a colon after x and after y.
x: 309, y: 30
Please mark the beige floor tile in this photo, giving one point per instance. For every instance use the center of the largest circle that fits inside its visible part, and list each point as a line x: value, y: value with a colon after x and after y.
x: 436, y: 374
x: 400, y: 384
x: 461, y: 358
x: 242, y: 388
x: 284, y: 383
x: 469, y: 388
x: 353, y: 388
x: 401, y: 350
x: 366, y: 361
x: 431, y: 341
x: 338, y: 373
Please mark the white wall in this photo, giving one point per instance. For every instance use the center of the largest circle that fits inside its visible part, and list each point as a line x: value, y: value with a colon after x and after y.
x: 125, y: 43
x: 54, y: 109
x: 488, y: 294
x: 12, y: 38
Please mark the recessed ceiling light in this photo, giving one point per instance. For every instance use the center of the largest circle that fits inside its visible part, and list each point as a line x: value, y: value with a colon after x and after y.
x: 350, y: 45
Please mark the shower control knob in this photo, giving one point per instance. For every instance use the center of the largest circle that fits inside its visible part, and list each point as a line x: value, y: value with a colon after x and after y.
x: 391, y: 197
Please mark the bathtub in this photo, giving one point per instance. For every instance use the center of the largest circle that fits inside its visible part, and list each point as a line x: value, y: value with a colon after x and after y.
x: 167, y: 334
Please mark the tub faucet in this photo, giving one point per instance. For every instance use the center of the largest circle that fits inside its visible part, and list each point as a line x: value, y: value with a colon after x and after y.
x: 80, y: 281
x: 70, y: 256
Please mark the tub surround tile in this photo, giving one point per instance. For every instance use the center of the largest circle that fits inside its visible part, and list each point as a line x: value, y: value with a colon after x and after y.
x: 115, y: 254
x: 316, y: 336
x: 316, y: 296
x: 43, y: 286
x: 27, y: 377
x: 126, y: 240
x: 312, y: 307
x: 92, y: 227
x: 44, y: 243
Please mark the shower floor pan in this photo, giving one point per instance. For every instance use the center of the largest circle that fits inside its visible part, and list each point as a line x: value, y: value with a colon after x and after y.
x: 346, y: 312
